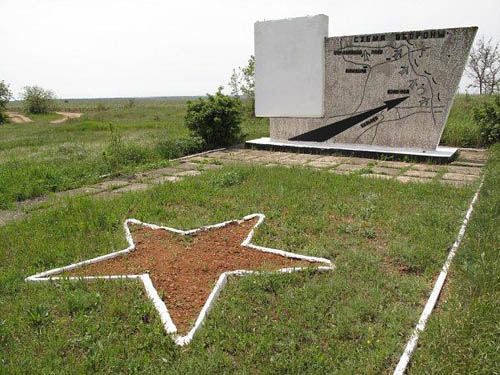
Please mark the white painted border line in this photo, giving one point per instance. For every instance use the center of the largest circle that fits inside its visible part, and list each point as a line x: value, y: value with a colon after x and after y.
x: 151, y: 291
x: 436, y: 291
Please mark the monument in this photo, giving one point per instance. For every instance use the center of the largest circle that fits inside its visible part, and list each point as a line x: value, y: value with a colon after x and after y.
x: 387, y: 93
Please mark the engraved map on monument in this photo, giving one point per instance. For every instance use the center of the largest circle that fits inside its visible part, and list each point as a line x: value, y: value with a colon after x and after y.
x: 390, y: 88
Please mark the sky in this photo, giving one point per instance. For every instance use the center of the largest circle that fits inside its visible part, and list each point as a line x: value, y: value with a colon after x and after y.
x: 137, y: 48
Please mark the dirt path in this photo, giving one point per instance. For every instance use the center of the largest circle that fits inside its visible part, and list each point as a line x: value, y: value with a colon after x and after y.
x: 18, y: 118
x: 66, y: 116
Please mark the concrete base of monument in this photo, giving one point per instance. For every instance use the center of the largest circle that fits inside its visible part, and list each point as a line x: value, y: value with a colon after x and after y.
x: 440, y: 154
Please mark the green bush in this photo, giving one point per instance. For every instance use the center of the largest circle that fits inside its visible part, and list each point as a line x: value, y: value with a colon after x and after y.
x: 181, y: 147
x: 5, y: 96
x: 487, y: 117
x: 38, y: 100
x: 216, y: 119
x: 118, y: 153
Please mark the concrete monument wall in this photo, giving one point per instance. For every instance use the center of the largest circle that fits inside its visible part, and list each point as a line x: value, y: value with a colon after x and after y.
x: 391, y: 89
x: 290, y: 74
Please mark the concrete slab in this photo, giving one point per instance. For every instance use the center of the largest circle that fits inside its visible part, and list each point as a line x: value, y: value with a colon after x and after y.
x: 393, y: 164
x: 164, y: 179
x: 407, y: 179
x: 184, y: 166
x: 386, y: 171
x: 440, y: 153
x: 423, y: 174
x: 474, y: 171
x: 9, y: 216
x: 349, y: 168
x: 459, y: 177
x: 321, y: 164
x: 108, y: 185
x: 290, y: 48
x: 428, y: 167
x: 381, y: 176
x: 188, y: 173
x: 132, y: 187
x: 454, y: 183
x: 80, y: 191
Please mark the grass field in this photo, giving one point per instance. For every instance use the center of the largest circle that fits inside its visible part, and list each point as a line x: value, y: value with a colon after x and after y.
x: 388, y: 241
x: 38, y: 158
x: 463, y: 335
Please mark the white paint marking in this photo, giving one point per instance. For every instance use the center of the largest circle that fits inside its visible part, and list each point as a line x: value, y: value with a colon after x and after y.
x: 151, y: 291
x: 431, y: 302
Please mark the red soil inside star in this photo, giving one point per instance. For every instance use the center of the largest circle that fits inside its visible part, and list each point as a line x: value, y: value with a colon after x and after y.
x: 184, y: 269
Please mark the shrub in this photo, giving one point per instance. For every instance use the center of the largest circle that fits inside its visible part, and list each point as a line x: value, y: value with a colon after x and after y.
x: 118, y: 153
x: 181, y: 147
x: 216, y: 119
x: 101, y: 107
x: 5, y: 96
x: 38, y: 100
x: 487, y: 116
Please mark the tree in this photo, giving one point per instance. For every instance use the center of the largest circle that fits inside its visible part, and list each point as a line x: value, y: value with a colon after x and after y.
x: 38, y: 100
x: 484, y: 67
x: 216, y: 119
x: 5, y: 96
x: 243, y: 82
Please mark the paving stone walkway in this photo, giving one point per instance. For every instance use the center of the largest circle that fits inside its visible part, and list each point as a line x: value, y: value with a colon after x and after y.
x: 466, y: 169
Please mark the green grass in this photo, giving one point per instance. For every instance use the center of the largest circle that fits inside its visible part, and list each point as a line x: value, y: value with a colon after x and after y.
x: 460, y: 130
x: 388, y: 241
x: 462, y: 337
x: 38, y: 158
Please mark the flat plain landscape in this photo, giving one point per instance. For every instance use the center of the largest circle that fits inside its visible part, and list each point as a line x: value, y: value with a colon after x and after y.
x: 387, y: 239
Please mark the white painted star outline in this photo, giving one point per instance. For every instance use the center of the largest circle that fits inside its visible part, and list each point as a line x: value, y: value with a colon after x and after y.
x: 152, y: 292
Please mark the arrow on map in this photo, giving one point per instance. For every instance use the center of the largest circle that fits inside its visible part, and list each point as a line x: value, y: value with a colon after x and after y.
x: 328, y: 131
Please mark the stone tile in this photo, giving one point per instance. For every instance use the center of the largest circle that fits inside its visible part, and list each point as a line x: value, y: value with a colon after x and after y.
x: 306, y: 157
x: 33, y: 202
x: 393, y: 164
x: 332, y: 159
x: 406, y: 179
x: 428, y: 167
x: 184, y: 166
x: 361, y: 161
x: 454, y: 183
x: 386, y: 171
x: 107, y: 185
x: 322, y: 164
x: 349, y: 168
x: 478, y: 156
x: 381, y: 176
x: 79, y: 191
x: 468, y: 164
x: 291, y: 161
x: 201, y: 159
x: 465, y: 170
x: 132, y: 187
x: 280, y: 155
x: 459, y: 177
x: 164, y: 179
x: 218, y: 154
x: 423, y: 174
x: 263, y: 160
x: 210, y: 166
x: 8, y: 216
x: 188, y: 173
